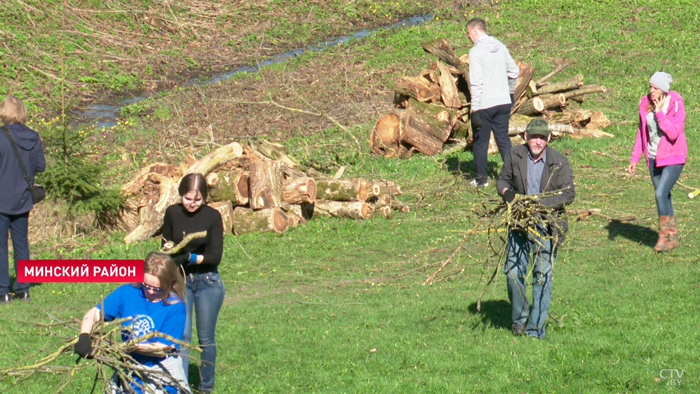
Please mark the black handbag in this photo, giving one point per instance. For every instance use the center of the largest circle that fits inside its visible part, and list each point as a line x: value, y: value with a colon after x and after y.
x: 38, y: 192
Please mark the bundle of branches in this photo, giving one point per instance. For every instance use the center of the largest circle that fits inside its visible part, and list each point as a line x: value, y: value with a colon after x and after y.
x: 433, y: 108
x: 109, y: 354
x: 256, y: 188
x: 524, y: 213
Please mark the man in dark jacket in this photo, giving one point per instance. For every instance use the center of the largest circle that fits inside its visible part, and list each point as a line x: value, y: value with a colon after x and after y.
x: 15, y: 197
x: 534, y: 169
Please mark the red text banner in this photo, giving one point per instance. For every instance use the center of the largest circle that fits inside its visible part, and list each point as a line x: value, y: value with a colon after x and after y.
x: 37, y: 271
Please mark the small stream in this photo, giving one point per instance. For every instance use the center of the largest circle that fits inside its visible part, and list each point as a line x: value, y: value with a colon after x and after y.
x: 105, y: 115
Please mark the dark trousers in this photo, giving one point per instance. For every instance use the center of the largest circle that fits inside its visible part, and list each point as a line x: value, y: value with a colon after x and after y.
x: 492, y: 119
x: 18, y: 226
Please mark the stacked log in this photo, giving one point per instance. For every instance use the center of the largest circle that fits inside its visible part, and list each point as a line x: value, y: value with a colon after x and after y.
x: 256, y: 189
x: 433, y: 108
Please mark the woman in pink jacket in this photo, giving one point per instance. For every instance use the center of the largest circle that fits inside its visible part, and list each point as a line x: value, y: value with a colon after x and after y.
x: 661, y: 139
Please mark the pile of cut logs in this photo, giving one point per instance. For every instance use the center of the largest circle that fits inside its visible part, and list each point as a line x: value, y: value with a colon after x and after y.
x: 255, y: 189
x: 433, y: 108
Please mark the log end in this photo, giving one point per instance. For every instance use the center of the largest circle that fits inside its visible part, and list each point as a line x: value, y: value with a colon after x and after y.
x: 362, y: 189
x: 384, y: 136
x: 280, y: 221
x: 366, y: 211
x: 311, y: 190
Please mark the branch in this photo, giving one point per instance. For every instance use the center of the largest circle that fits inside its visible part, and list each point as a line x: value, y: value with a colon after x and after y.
x: 449, y: 259
x: 183, y: 243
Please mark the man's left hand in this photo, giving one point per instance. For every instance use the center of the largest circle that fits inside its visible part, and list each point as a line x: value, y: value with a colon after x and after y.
x: 509, y: 196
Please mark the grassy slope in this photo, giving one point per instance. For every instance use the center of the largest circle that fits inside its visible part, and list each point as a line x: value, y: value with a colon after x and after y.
x: 115, y: 46
x: 306, y: 310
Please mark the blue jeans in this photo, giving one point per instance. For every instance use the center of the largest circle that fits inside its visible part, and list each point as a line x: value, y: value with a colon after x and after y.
x: 18, y: 226
x: 518, y: 251
x: 205, y: 292
x: 663, y: 179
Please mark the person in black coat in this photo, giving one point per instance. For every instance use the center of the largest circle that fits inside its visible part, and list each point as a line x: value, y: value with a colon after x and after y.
x: 15, y: 197
x: 533, y: 169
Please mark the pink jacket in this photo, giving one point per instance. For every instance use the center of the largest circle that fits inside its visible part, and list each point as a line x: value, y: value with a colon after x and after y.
x: 672, y: 147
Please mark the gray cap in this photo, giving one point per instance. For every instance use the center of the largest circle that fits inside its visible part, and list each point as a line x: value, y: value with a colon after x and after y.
x: 662, y: 80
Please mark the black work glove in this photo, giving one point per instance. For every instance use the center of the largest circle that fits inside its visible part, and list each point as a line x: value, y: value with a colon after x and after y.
x: 509, y: 196
x: 476, y: 119
x: 84, y: 346
x: 181, y: 259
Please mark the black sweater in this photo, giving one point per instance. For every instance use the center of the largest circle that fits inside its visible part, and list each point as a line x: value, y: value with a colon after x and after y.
x: 178, y: 222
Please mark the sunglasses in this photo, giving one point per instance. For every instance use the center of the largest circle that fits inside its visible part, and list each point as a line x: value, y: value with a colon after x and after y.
x: 154, y: 289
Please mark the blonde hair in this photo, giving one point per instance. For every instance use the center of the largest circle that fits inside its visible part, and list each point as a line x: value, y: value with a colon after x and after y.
x: 13, y: 110
x: 163, y: 267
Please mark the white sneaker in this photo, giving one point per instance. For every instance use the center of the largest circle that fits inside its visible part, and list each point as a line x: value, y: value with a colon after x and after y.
x: 474, y: 183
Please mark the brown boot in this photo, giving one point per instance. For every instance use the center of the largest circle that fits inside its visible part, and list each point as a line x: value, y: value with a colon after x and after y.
x: 673, y: 241
x: 662, y: 243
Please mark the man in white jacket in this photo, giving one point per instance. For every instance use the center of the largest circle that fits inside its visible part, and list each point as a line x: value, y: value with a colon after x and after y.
x: 493, y: 75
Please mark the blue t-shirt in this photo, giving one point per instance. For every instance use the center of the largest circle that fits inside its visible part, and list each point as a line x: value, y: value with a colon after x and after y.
x: 146, y: 316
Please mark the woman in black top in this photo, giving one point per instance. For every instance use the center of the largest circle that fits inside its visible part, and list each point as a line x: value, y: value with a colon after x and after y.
x: 200, y: 260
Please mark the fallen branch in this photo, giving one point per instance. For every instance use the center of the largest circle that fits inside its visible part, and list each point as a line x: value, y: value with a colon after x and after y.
x: 168, y: 248
x: 449, y: 259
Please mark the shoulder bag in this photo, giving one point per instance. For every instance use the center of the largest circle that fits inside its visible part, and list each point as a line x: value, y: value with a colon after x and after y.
x: 38, y: 192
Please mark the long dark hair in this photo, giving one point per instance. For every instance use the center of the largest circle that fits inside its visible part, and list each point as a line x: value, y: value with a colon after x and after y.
x: 192, y: 182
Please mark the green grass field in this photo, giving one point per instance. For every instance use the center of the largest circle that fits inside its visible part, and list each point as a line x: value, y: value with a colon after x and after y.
x: 339, y: 306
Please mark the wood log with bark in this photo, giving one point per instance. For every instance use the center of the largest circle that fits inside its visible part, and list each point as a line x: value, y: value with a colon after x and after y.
x: 215, y: 158
x: 448, y: 87
x: 246, y: 220
x: 557, y: 70
x: 530, y: 107
x: 229, y: 186
x: 561, y: 86
x: 343, y: 209
x: 382, y: 186
x: 355, y: 189
x: 225, y: 208
x: 299, y: 190
x: 442, y: 50
x: 386, y: 134
x: 153, y: 222
x: 425, y: 133
x: 266, y: 184
x: 583, y: 90
x: 524, y: 79
x: 419, y: 88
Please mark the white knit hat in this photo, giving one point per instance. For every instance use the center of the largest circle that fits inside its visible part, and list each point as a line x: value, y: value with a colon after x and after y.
x: 662, y: 80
